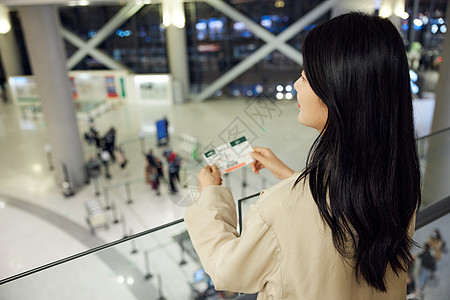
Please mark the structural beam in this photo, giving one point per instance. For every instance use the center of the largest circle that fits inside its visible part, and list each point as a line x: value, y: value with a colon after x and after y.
x: 107, y: 60
x: 436, y: 179
x: 124, y: 14
x: 262, y: 52
x: 256, y: 29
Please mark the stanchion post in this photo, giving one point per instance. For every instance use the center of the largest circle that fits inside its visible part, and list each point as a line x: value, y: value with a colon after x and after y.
x: 182, y: 261
x: 134, y: 250
x: 48, y: 153
x: 161, y: 297
x: 96, y: 186
x: 227, y: 179
x: 142, y: 142
x: 128, y: 191
x: 124, y: 225
x: 115, y: 213
x: 106, y: 198
x: 148, y: 275
x: 185, y: 178
x: 244, y: 181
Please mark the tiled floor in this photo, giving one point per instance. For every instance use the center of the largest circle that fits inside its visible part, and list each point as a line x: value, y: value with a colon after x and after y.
x: 38, y: 225
x: 27, y: 180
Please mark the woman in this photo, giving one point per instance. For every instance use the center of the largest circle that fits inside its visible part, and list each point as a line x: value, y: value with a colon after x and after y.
x: 341, y: 228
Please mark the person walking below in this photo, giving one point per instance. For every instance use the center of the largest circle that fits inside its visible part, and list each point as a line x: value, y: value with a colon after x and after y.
x: 159, y: 168
x: 150, y: 158
x: 428, y: 266
x: 437, y: 244
x: 106, y: 157
x: 154, y: 180
x: 174, y: 169
x: 121, y: 159
x: 110, y: 142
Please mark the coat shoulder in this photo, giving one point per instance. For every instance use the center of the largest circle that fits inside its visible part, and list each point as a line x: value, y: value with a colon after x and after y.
x: 280, y: 198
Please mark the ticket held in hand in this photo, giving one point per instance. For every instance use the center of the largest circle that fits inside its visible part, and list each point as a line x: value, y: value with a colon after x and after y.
x: 230, y: 156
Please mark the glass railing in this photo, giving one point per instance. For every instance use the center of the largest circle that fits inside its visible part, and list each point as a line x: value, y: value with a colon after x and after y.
x: 161, y: 263
x: 434, y: 153
x: 157, y: 264
x: 434, y: 157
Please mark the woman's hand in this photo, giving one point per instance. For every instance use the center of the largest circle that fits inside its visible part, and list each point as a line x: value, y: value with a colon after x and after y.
x: 264, y: 158
x: 209, y: 175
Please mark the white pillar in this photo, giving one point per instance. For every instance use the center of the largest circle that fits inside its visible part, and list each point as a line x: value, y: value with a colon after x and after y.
x: 344, y: 6
x: 272, y: 44
x: 41, y: 27
x: 174, y: 21
x: 393, y: 9
x: 9, y: 51
x: 436, y: 181
x: 441, y: 117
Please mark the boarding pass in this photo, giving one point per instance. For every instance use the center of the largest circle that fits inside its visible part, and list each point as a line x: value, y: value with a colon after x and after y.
x: 230, y: 156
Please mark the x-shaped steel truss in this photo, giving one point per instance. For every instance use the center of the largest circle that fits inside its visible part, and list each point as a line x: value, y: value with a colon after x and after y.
x: 89, y: 47
x: 272, y: 42
x: 278, y: 42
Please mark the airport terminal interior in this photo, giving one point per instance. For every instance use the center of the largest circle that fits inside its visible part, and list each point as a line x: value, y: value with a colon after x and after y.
x: 44, y: 217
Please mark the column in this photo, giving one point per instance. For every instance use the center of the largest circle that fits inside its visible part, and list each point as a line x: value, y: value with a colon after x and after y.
x: 344, y: 6
x: 436, y: 177
x: 9, y: 51
x: 394, y: 10
x: 174, y: 21
x: 41, y: 27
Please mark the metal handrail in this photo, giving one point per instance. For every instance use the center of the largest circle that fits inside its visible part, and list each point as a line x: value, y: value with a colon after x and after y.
x: 433, y: 212
x: 240, y: 209
x: 89, y: 251
x: 433, y: 133
x: 424, y: 217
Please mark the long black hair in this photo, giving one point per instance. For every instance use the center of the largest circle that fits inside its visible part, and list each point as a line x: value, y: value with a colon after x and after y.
x: 363, y: 169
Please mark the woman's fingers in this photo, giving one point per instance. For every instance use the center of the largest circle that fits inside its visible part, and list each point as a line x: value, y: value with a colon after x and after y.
x: 209, y: 175
x: 260, y: 160
x: 255, y: 155
x: 206, y: 170
x: 256, y: 166
x: 215, y: 170
x: 261, y: 149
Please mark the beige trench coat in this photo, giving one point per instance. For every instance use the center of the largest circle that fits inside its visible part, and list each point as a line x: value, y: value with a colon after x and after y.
x: 284, y: 252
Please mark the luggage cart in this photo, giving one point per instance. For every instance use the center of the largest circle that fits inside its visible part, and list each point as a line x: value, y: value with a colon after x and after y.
x: 96, y: 215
